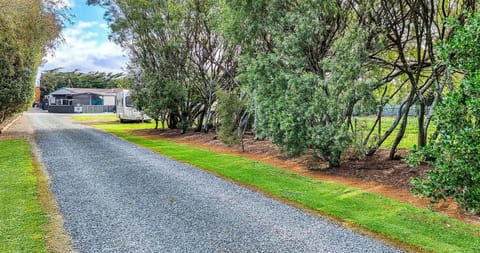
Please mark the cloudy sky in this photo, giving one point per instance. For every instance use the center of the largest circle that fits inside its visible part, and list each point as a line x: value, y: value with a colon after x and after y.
x: 86, y: 45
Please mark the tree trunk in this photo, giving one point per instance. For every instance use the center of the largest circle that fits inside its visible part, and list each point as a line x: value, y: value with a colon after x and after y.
x: 422, y: 133
x: 163, y: 119
x: 398, y: 138
x: 242, y: 127
x: 156, y: 123
x: 200, y: 121
x: 172, y: 121
x: 374, y: 149
x: 334, y: 160
x: 209, y: 106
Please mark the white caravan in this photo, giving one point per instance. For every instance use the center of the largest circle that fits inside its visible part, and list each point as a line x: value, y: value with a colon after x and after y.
x: 125, y: 110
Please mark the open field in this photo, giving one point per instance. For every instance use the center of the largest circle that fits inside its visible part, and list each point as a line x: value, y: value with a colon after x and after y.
x: 21, y: 215
x: 364, y: 124
x: 421, y: 229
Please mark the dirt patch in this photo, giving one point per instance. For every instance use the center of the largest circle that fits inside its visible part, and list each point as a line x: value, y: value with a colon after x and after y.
x: 376, y: 174
x: 6, y: 124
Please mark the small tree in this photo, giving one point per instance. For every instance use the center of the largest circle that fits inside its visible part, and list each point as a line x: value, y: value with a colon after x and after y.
x: 231, y: 111
x: 455, y: 153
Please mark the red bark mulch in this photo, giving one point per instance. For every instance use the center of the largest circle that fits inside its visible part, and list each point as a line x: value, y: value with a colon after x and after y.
x: 376, y: 174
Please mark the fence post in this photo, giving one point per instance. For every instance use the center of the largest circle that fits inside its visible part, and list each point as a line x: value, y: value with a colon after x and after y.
x: 380, y: 109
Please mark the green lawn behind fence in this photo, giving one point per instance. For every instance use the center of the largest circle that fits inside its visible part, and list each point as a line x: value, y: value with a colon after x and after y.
x: 364, y: 124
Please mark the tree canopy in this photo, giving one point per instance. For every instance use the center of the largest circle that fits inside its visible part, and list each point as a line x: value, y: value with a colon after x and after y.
x: 454, y: 154
x: 28, y: 30
x: 51, y: 80
x: 298, y: 72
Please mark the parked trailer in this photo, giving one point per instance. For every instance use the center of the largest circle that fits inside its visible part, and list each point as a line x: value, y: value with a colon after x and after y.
x: 125, y: 110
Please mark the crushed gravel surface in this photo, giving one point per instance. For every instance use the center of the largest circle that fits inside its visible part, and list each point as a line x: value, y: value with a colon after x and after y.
x: 117, y: 197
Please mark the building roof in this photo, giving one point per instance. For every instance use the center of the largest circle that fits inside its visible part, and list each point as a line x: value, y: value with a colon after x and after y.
x: 78, y: 91
x: 62, y: 92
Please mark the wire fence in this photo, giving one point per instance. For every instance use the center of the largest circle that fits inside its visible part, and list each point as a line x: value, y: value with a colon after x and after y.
x: 393, y: 110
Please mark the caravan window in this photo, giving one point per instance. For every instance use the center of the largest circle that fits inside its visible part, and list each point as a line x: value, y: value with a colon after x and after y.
x: 128, y: 103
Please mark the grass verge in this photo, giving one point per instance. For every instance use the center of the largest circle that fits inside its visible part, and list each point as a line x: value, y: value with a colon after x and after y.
x: 21, y: 215
x: 57, y: 239
x: 419, y: 228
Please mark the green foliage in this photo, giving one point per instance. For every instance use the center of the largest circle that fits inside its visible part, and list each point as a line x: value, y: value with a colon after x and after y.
x: 230, y: 109
x: 400, y: 221
x: 172, y: 51
x: 21, y: 216
x: 455, y: 153
x: 462, y: 52
x: 306, y: 66
x: 153, y: 99
x: 54, y: 79
x: 305, y: 73
x: 15, y: 74
x: 28, y: 29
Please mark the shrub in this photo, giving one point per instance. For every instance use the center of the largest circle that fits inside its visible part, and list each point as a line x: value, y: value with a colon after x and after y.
x: 455, y: 153
x: 230, y: 110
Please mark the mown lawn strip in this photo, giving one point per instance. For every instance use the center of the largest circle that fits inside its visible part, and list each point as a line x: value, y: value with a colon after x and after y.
x: 408, y: 224
x: 21, y: 216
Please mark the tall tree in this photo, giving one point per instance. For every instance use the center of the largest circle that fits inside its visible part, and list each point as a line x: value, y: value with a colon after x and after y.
x: 407, y: 31
x: 454, y: 154
x: 28, y: 30
x: 153, y: 35
x: 303, y: 63
x: 177, y: 53
x: 213, y: 59
x: 53, y: 79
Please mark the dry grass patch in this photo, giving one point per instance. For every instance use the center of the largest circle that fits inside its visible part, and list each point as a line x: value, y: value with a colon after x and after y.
x: 56, y: 237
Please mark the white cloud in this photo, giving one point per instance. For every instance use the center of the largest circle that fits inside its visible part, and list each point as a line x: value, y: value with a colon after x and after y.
x: 86, y: 24
x: 86, y: 48
x: 69, y: 3
x: 64, y: 3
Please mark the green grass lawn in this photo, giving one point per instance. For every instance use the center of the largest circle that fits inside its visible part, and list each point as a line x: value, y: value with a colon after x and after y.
x: 420, y: 228
x: 21, y: 216
x: 363, y: 123
x: 113, y: 119
x: 99, y: 117
x: 409, y: 139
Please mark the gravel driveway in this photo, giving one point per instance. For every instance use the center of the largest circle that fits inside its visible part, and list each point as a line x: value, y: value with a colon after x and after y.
x: 117, y: 197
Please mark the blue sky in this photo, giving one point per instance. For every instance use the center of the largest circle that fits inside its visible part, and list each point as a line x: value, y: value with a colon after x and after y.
x: 86, y: 45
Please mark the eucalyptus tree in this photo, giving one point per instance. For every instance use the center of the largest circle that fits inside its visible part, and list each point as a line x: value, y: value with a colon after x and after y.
x: 178, y: 55
x: 155, y: 37
x: 213, y: 58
